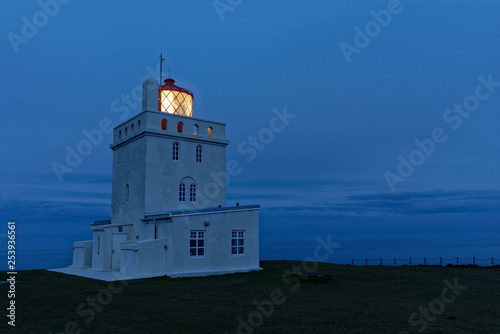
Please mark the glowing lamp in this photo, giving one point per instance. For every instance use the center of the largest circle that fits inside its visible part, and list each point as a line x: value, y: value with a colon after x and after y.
x: 175, y: 100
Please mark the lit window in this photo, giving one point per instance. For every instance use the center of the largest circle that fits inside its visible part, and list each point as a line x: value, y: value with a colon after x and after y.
x: 127, y: 192
x: 179, y: 127
x: 197, y: 243
x: 195, y: 129
x: 192, y: 192
x: 175, y: 151
x: 163, y: 124
x: 210, y: 131
x: 237, y: 242
x: 198, y: 153
x: 182, y: 192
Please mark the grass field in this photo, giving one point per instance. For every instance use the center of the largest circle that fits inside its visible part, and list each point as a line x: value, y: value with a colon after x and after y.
x: 359, y: 300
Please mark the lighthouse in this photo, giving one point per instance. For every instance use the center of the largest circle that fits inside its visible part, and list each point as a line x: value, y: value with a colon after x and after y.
x: 168, y: 205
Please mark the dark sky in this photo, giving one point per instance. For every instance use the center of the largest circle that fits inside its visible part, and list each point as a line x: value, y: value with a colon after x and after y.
x: 403, y: 91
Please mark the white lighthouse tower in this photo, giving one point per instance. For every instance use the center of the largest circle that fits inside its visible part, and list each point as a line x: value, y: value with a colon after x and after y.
x: 168, y: 206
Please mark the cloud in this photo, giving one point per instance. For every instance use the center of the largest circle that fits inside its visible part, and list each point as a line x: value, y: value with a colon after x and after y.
x: 39, y: 212
x: 401, y: 204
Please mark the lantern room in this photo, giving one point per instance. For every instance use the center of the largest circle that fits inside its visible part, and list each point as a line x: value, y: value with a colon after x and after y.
x: 175, y: 100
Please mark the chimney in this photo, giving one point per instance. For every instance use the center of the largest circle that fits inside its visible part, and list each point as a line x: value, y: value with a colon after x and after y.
x: 150, y: 95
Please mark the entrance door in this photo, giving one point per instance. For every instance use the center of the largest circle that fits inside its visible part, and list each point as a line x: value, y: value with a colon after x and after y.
x: 117, y: 240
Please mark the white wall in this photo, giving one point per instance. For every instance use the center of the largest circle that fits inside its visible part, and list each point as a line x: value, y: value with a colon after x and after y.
x: 82, y: 254
x: 128, y: 168
x: 143, y: 160
x: 98, y: 250
x: 143, y: 258
x: 163, y: 174
x: 218, y: 255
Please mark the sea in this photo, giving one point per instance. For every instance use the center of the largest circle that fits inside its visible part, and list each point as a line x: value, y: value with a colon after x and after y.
x: 302, y: 237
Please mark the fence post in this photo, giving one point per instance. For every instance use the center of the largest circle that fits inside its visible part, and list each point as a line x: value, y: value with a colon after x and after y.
x: 457, y: 260
x: 441, y: 261
x: 366, y: 262
x: 425, y: 262
x: 394, y: 262
x: 410, y: 261
x: 473, y: 261
x: 381, y: 262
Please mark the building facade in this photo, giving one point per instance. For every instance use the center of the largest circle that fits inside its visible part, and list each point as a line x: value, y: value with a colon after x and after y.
x: 168, y: 204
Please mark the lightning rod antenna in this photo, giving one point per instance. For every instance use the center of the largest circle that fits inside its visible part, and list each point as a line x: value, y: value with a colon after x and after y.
x: 161, y: 64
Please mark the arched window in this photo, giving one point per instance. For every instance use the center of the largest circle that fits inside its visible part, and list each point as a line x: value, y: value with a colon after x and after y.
x: 127, y: 193
x: 198, y: 153
x: 192, y: 192
x: 120, y: 135
x: 195, y: 129
x: 179, y: 127
x: 164, y: 124
x: 175, y: 151
x: 126, y: 132
x: 132, y: 129
x: 138, y: 125
x: 182, y: 192
x: 210, y: 131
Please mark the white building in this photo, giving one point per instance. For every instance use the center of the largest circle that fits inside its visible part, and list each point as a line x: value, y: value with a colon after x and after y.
x: 168, y: 210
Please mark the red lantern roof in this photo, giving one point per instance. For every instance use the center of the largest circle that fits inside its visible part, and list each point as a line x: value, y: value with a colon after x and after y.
x: 169, y: 85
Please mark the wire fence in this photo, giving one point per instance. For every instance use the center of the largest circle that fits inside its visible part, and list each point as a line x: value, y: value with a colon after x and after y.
x: 425, y: 261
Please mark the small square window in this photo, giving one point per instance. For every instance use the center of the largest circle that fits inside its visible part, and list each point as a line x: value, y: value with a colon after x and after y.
x: 175, y: 151
x: 197, y: 243
x: 198, y: 153
x: 192, y: 192
x: 238, y: 242
x: 182, y: 192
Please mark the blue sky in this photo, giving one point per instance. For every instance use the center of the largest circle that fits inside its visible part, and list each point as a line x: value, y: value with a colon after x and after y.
x: 326, y: 171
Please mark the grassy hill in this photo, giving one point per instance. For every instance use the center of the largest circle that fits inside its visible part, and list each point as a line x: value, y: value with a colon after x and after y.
x: 358, y: 300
